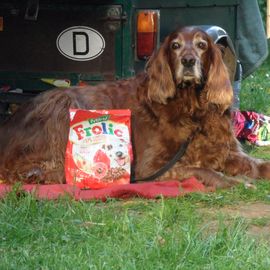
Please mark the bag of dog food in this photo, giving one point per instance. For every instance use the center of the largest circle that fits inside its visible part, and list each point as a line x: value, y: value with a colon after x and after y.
x: 99, y: 151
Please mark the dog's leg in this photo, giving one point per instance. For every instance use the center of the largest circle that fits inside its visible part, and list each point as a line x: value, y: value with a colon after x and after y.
x: 208, y: 177
x: 241, y: 164
x: 33, y: 173
x: 264, y: 170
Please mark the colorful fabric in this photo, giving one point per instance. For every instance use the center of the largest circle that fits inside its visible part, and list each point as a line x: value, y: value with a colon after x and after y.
x: 148, y: 190
x: 252, y: 126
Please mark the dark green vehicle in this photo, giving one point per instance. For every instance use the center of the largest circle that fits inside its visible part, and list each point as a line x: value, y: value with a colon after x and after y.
x: 48, y: 43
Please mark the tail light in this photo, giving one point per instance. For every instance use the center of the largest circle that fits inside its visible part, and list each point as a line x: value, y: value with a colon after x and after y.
x: 147, y: 31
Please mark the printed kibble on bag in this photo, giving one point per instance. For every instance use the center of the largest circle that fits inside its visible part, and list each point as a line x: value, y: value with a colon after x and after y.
x: 99, y: 151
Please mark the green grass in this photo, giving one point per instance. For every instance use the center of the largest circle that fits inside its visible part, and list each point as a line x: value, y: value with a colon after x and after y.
x: 191, y: 232
x: 255, y: 91
x: 136, y: 234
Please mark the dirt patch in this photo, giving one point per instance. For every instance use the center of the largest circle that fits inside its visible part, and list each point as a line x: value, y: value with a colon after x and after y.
x: 261, y: 233
x: 258, y: 217
x: 256, y: 214
x: 249, y: 211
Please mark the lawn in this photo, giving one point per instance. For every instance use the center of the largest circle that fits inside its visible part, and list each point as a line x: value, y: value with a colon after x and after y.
x: 226, y: 229
x: 255, y: 92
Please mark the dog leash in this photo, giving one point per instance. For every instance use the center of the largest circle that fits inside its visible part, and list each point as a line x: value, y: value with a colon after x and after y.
x: 181, y: 151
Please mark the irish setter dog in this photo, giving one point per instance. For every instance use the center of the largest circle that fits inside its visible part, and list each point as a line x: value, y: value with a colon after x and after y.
x: 184, y: 92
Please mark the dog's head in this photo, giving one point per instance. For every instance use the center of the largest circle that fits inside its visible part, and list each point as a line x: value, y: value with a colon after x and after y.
x: 189, y: 58
x: 117, y: 151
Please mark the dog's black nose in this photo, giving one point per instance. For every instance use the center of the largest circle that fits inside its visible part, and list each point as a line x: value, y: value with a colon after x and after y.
x: 119, y: 154
x: 188, y: 61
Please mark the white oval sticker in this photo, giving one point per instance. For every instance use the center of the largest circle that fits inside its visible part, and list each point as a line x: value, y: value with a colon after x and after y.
x: 80, y: 43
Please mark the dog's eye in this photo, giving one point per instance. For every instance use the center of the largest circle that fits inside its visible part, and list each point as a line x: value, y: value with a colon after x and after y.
x: 176, y: 45
x: 110, y: 147
x: 201, y: 45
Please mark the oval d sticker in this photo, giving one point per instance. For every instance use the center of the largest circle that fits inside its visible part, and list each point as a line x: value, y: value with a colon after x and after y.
x: 80, y: 43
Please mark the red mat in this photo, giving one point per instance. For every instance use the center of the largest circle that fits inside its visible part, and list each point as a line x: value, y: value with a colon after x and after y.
x: 149, y: 190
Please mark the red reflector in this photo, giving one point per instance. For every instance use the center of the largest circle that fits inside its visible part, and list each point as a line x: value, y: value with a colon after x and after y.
x: 147, y: 22
x: 145, y: 44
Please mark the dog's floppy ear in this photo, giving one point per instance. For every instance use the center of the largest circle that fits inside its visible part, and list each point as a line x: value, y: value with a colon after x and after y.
x: 161, y: 84
x: 218, y: 85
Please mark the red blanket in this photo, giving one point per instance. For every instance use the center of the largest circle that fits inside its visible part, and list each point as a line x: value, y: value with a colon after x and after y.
x: 149, y: 190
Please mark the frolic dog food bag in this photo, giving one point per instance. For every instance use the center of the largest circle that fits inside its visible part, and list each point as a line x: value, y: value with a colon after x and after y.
x: 99, y: 151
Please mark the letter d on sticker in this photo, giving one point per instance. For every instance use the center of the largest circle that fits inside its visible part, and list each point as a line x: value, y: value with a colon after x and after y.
x: 80, y: 43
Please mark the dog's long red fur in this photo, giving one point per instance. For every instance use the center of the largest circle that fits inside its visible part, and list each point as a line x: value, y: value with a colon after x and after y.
x: 184, y: 92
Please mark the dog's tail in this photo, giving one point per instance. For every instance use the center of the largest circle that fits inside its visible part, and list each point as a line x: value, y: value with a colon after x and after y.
x: 33, y: 140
